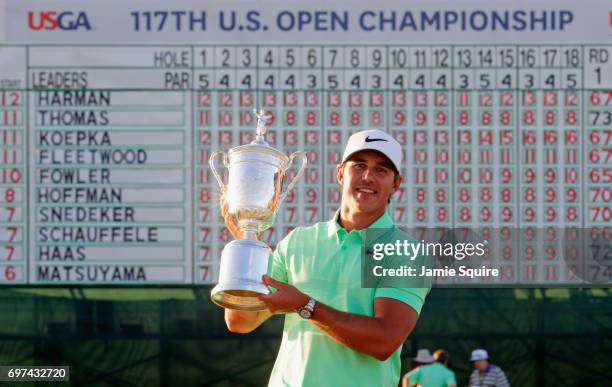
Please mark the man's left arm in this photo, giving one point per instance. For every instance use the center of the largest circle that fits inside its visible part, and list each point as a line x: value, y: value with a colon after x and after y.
x: 378, y: 336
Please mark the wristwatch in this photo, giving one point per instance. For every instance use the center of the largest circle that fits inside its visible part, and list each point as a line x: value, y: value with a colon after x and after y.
x: 307, y: 310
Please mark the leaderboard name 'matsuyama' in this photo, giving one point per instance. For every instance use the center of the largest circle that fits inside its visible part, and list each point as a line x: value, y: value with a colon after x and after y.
x: 76, y: 168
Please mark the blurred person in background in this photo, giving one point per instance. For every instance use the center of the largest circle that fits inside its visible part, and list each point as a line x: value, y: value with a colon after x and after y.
x: 435, y: 374
x: 486, y: 374
x: 423, y: 357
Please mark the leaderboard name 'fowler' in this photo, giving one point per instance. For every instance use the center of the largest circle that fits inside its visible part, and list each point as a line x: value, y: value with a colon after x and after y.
x: 74, y: 175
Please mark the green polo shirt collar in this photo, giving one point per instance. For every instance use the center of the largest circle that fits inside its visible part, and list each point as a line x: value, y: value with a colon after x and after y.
x: 333, y: 228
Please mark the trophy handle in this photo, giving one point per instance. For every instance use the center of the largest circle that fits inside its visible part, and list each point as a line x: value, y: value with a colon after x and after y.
x: 211, y: 162
x: 293, y: 182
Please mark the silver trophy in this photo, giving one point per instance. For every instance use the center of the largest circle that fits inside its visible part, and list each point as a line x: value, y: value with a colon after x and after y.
x: 253, y: 194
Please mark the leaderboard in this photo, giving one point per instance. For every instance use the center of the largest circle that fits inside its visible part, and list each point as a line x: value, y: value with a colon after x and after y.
x: 97, y: 164
x: 104, y: 149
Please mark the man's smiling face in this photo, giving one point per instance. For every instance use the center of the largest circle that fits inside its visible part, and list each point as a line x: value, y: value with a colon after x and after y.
x: 368, y: 179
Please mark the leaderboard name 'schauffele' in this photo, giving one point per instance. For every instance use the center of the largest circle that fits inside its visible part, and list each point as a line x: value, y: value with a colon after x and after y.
x: 100, y: 234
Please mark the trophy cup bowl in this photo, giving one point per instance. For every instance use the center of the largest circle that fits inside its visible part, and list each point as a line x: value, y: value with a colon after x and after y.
x: 253, y: 194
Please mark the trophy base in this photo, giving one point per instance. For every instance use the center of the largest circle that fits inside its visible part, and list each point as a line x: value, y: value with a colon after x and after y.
x: 243, y: 263
x: 240, y: 296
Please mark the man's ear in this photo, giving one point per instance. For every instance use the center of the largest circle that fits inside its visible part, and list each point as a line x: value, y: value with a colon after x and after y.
x: 396, y: 182
x: 340, y: 173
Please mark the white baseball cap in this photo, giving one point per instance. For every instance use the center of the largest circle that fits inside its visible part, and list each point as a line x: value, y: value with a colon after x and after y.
x: 479, y: 354
x: 377, y: 140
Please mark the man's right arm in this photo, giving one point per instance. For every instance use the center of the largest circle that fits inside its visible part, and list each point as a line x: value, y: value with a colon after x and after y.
x: 239, y: 321
x: 411, y: 378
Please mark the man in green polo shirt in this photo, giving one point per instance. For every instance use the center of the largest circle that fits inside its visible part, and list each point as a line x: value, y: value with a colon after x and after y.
x: 435, y: 374
x: 336, y: 332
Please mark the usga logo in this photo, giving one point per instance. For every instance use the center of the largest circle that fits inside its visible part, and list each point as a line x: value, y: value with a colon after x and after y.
x: 52, y: 20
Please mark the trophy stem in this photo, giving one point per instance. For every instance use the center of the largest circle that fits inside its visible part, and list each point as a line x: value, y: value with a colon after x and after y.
x: 250, y: 233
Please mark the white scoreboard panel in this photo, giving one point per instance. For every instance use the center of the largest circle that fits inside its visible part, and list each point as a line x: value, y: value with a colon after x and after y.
x: 109, y: 112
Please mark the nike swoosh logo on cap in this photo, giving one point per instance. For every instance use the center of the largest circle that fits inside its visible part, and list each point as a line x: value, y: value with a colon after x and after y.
x: 368, y: 139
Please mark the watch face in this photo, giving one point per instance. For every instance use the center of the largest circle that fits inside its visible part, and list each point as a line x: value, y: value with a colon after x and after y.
x: 305, y: 313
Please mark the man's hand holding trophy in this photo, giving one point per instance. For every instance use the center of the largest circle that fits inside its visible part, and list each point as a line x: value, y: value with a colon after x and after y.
x: 249, y: 203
